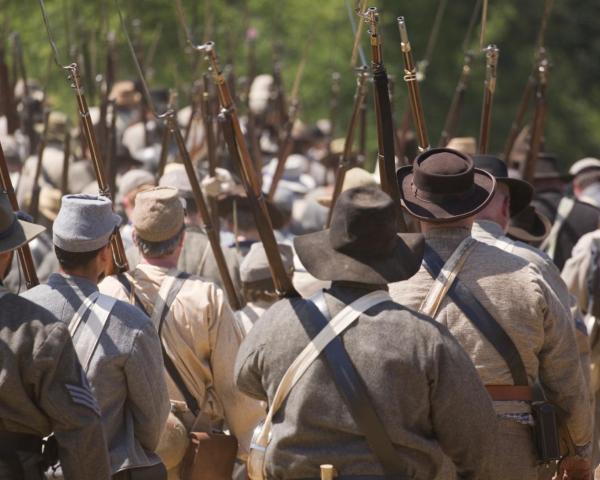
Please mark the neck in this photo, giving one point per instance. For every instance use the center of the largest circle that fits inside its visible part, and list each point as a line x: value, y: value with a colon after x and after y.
x: 465, y: 223
x: 88, y: 274
x: 169, y: 261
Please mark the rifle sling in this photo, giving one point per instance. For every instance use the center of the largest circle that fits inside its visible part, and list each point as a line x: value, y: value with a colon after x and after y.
x: 354, y: 392
x: 477, y: 314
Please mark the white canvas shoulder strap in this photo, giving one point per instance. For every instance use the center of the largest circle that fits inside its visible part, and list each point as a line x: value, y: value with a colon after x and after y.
x: 161, y: 299
x: 336, y: 326
x: 432, y: 302
x: 564, y: 209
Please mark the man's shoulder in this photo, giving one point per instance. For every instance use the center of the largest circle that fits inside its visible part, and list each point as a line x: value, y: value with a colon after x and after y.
x: 489, y: 258
x: 131, y: 316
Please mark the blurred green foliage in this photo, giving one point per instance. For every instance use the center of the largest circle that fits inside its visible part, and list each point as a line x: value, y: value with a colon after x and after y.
x: 287, y: 25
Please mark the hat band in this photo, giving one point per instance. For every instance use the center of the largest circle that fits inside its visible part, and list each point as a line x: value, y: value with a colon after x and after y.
x: 10, y: 231
x: 433, y: 197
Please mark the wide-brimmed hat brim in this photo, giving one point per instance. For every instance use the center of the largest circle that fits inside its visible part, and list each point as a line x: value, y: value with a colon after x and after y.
x: 521, y: 193
x: 449, y: 208
x: 23, y: 233
x: 325, y: 263
x: 537, y: 233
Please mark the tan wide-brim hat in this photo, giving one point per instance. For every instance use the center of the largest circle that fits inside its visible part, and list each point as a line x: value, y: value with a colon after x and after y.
x: 354, y: 178
x: 49, y: 204
x: 14, y: 233
x: 466, y: 145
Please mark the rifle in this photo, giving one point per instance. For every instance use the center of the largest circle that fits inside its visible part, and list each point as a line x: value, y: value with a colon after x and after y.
x: 35, y: 192
x: 457, y: 101
x: 111, y: 158
x: 383, y: 115
x: 109, y: 79
x: 8, y: 99
x: 491, y: 71
x: 66, y: 160
x: 530, y: 85
x: 170, y: 118
x: 539, y: 117
x: 73, y: 76
x: 211, y: 144
x: 286, y: 144
x: 410, y: 77
x: 239, y: 151
x: 24, y: 253
x: 333, y: 109
x: 344, y: 161
x: 166, y: 138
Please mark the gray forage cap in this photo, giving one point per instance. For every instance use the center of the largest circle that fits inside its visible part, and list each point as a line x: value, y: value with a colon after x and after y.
x: 84, y: 223
x: 255, y: 266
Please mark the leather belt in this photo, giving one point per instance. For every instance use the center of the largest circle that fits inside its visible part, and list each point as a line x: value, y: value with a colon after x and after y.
x: 11, y: 442
x: 520, y: 393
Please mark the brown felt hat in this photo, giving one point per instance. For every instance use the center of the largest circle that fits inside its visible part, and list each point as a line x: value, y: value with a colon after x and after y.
x: 442, y: 185
x: 362, y: 245
x: 158, y: 214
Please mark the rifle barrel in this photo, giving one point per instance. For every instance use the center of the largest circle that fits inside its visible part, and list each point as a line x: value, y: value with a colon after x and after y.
x: 491, y: 69
x: 410, y: 77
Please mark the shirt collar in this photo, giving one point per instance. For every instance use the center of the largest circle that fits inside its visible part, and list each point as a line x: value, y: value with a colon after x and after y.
x: 78, y: 283
x: 488, y: 226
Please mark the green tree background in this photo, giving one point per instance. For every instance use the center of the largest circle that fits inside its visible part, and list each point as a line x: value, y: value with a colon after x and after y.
x: 287, y: 26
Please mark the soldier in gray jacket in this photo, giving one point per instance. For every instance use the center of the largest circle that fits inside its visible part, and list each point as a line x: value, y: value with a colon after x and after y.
x: 420, y: 383
x: 43, y: 388
x: 117, y: 344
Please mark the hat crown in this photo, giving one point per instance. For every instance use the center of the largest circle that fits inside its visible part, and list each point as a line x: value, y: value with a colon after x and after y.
x: 363, y: 223
x: 491, y: 164
x: 158, y: 214
x: 443, y: 171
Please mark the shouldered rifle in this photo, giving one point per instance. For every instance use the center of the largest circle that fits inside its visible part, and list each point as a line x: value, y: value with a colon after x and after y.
x: 34, y: 203
x: 170, y: 118
x: 118, y: 250
x: 64, y: 189
x: 531, y: 83
x: 166, y: 137
x: 383, y: 114
x: 333, y: 113
x: 239, y: 151
x: 24, y: 253
x: 410, y: 77
x: 458, y: 99
x: 344, y: 162
x: 286, y: 143
x: 8, y: 99
x: 489, y: 87
x: 539, y: 117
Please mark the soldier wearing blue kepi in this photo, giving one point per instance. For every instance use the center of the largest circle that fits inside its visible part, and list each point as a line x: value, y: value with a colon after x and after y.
x: 354, y: 379
x: 43, y: 388
x: 116, y: 343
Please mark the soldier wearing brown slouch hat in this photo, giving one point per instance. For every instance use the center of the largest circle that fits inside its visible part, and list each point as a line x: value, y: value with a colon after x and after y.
x: 499, y: 308
x: 389, y: 399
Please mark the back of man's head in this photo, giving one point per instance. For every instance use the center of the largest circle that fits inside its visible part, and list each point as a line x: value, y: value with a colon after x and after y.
x: 158, y: 221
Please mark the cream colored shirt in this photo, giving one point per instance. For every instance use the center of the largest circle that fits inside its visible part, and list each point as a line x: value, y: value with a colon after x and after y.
x: 202, y: 337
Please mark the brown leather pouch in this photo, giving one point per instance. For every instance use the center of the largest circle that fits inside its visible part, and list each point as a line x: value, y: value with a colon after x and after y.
x: 210, y: 456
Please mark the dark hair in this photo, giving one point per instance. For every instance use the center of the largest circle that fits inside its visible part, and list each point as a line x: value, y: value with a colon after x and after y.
x: 159, y: 249
x: 70, y: 260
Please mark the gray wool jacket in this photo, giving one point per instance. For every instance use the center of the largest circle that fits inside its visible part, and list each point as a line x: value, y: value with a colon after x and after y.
x: 422, y: 384
x: 126, y: 372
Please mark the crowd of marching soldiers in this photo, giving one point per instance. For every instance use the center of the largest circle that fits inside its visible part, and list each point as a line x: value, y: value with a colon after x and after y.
x: 466, y: 350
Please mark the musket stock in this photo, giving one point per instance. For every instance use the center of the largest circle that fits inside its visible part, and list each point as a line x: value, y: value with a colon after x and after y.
x: 410, y: 77
x: 491, y: 68
x: 344, y: 162
x: 383, y: 114
x: 8, y: 100
x: 24, y: 253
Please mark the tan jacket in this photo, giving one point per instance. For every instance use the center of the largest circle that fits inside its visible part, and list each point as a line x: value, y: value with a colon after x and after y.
x: 514, y: 292
x: 202, y: 337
